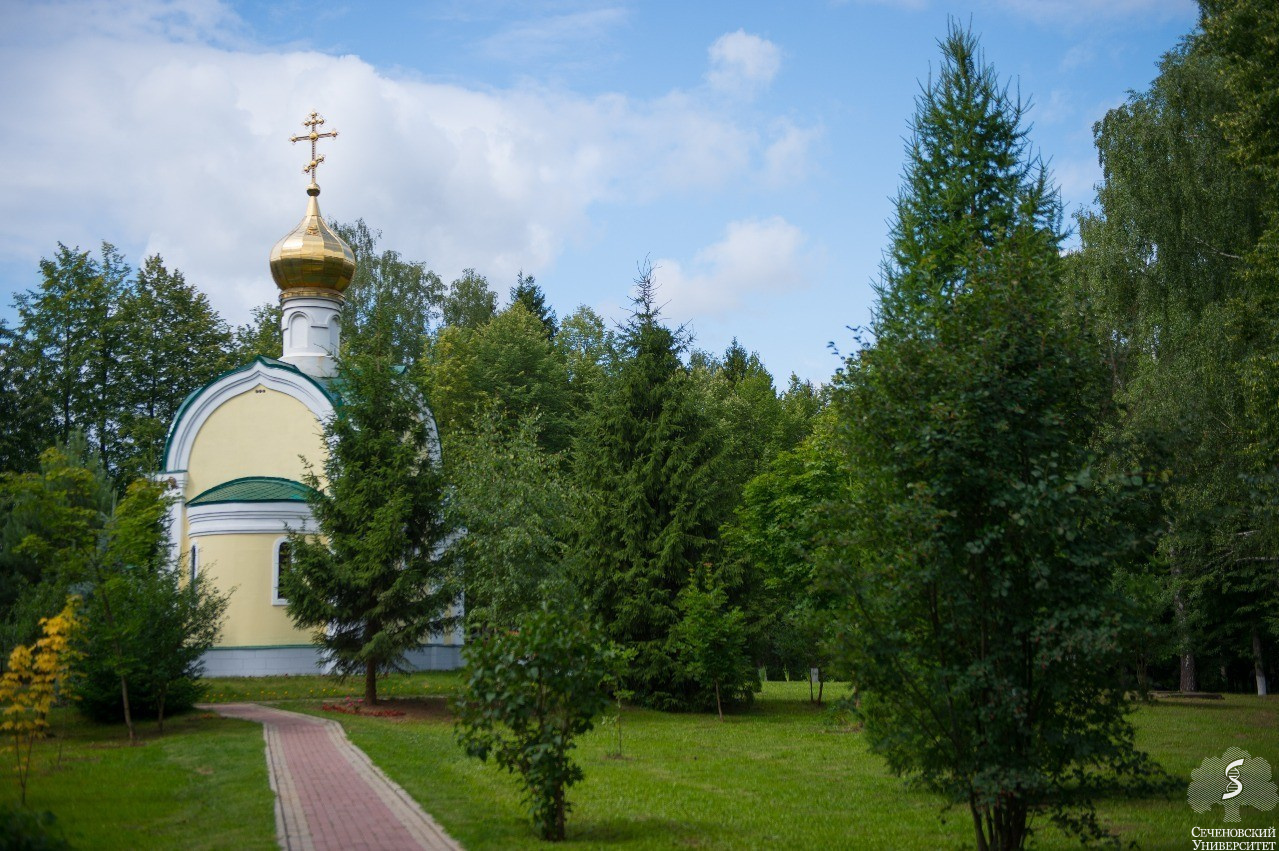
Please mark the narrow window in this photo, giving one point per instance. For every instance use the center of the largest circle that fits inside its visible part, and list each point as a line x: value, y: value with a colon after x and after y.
x: 195, y: 562
x: 283, y: 561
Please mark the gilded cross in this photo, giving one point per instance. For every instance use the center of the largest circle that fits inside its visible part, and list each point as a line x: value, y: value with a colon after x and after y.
x: 314, y: 122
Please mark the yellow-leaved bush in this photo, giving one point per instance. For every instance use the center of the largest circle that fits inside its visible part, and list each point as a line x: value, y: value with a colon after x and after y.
x: 32, y: 683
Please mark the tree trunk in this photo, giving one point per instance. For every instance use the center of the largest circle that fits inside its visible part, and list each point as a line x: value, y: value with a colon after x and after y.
x: 1258, y: 663
x: 119, y: 652
x: 160, y: 709
x: 982, y: 845
x: 370, y: 684
x: 1189, y: 677
x: 128, y: 716
x: 718, y: 706
x: 558, y: 828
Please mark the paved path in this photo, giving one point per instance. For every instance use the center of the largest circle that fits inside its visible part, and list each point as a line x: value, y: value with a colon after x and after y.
x: 328, y: 795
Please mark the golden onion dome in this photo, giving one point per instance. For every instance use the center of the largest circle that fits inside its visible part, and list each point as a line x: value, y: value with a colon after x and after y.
x: 312, y: 257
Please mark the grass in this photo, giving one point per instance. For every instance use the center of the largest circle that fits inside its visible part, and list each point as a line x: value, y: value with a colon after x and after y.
x: 781, y: 775
x: 259, y: 689
x: 200, y: 785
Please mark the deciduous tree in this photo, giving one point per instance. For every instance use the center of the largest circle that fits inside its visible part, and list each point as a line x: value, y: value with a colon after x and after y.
x: 976, y: 542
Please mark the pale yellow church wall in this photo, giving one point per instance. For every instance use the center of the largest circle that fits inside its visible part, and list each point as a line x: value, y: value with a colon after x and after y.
x: 262, y: 432
x: 259, y: 433
x: 245, y: 563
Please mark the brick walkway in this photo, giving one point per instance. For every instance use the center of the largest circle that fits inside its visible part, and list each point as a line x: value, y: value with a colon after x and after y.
x: 328, y: 795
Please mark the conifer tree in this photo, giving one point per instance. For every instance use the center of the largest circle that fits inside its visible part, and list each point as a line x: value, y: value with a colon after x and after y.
x: 379, y: 580
x: 647, y: 461
x: 976, y: 544
x: 528, y: 293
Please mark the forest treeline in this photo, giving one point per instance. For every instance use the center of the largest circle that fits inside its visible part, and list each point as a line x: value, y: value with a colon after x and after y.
x: 623, y: 466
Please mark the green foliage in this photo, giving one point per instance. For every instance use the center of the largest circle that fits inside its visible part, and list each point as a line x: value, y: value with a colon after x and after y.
x: 388, y: 296
x: 147, y: 625
x: 526, y: 292
x: 976, y: 541
x: 1164, y: 277
x: 647, y: 464
x: 517, y: 506
x: 507, y: 365
x: 260, y: 336
x: 710, y: 642
x: 24, y: 830
x: 469, y: 303
x: 530, y: 692
x: 172, y: 342
x: 588, y: 348
x: 53, y: 520
x: 24, y: 408
x: 380, y: 579
x: 773, y: 539
x: 72, y: 340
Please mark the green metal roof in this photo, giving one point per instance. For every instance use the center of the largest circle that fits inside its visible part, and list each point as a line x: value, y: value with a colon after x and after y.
x: 254, y: 489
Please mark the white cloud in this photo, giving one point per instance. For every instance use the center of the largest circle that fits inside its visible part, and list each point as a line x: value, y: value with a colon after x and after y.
x: 539, y: 38
x: 787, y: 156
x: 160, y: 142
x: 742, y: 64
x: 756, y: 256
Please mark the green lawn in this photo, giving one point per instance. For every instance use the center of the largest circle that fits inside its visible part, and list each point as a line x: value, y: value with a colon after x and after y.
x: 200, y: 785
x: 781, y: 775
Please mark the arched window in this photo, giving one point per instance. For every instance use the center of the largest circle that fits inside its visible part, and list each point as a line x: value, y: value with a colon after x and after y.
x: 283, y: 561
x: 299, y: 326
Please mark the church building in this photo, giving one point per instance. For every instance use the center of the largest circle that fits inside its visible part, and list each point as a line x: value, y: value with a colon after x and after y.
x: 239, y: 446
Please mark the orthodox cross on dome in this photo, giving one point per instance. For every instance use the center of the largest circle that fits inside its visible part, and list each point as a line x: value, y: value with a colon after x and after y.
x: 314, y: 122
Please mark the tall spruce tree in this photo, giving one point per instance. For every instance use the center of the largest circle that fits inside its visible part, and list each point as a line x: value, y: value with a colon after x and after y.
x: 647, y: 462
x: 379, y: 580
x: 528, y: 293
x: 974, y: 550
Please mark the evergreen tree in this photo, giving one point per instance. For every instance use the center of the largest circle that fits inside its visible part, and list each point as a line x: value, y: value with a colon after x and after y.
x: 647, y: 463
x: 147, y: 626
x: 976, y: 543
x: 528, y: 293
x: 379, y: 580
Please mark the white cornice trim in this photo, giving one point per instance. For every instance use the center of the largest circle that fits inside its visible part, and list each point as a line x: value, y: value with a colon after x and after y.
x: 249, y: 518
x: 199, y: 409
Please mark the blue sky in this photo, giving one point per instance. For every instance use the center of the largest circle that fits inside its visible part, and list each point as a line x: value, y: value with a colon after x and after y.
x: 750, y: 150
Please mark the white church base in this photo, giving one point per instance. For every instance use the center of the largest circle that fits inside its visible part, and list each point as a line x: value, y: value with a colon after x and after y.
x: 305, y: 660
